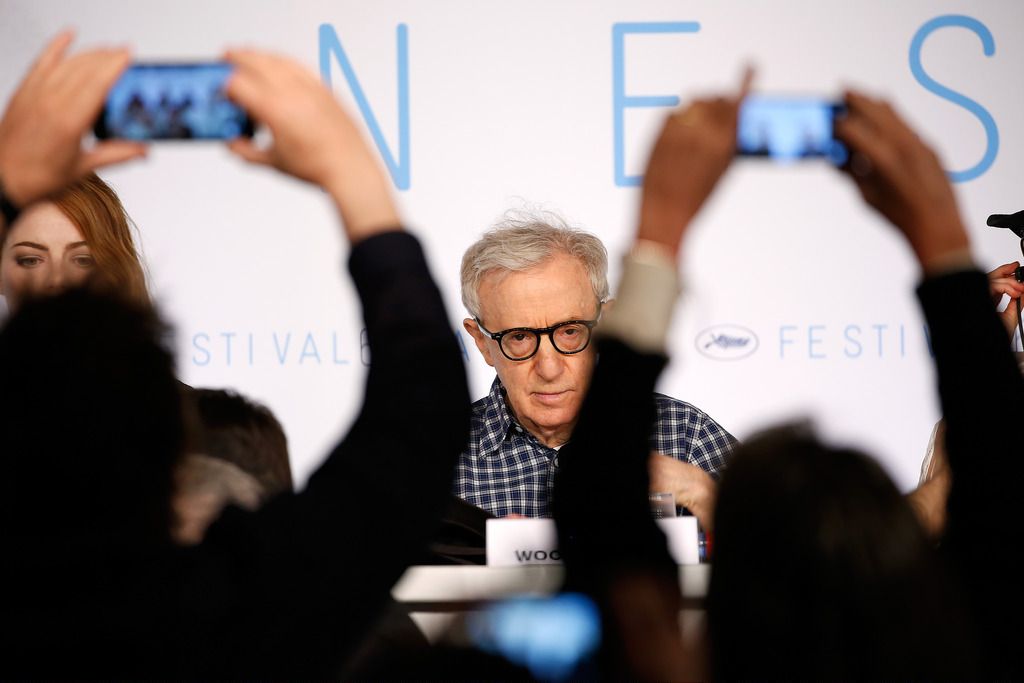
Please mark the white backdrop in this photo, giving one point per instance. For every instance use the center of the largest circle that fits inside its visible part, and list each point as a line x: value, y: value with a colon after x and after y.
x: 512, y: 103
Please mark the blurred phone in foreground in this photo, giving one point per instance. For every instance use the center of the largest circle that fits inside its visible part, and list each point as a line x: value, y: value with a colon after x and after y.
x: 552, y: 637
x: 788, y: 129
x: 184, y: 101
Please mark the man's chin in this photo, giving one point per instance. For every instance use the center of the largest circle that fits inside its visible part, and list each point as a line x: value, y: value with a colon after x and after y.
x: 553, y: 416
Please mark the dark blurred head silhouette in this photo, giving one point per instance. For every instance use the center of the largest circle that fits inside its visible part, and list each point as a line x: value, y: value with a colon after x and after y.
x: 234, y: 428
x: 238, y: 454
x: 820, y: 570
x: 90, y: 422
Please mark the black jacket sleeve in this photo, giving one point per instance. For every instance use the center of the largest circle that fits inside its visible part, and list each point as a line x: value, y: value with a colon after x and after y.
x: 307, y: 574
x: 612, y: 548
x: 982, y: 395
x: 600, y: 500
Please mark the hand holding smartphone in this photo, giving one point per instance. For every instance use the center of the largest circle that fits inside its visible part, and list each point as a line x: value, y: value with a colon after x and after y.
x: 180, y: 101
x: 787, y: 129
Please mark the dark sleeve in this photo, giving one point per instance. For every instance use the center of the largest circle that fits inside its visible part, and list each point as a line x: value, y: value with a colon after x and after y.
x: 600, y: 501
x: 310, y: 571
x: 982, y: 396
x: 612, y: 549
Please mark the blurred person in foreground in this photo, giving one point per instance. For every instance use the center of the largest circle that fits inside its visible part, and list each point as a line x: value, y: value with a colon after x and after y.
x: 95, y: 586
x: 237, y: 455
x: 929, y: 498
x: 536, y: 290
x: 820, y: 568
x: 242, y: 431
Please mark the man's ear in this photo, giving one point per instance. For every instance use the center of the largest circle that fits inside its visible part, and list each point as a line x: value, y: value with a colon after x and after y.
x: 480, y: 338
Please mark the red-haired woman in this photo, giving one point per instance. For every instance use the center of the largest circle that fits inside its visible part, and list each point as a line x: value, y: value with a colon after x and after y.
x: 82, y: 235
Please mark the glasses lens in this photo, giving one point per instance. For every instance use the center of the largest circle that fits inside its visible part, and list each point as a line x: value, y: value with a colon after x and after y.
x: 519, y: 344
x: 571, y: 337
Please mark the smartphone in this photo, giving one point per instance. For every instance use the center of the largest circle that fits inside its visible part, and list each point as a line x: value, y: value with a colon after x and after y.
x: 552, y: 637
x: 788, y: 129
x: 182, y: 101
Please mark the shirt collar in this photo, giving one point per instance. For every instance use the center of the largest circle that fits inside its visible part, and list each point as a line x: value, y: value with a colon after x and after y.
x: 497, y: 421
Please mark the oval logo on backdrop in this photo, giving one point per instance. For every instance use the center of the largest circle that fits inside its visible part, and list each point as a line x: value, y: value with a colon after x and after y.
x: 727, y: 342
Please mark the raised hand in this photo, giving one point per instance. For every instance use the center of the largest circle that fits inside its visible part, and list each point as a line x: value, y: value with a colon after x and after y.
x: 1001, y: 281
x: 42, y: 127
x: 693, y: 150
x: 314, y: 138
x: 901, y: 177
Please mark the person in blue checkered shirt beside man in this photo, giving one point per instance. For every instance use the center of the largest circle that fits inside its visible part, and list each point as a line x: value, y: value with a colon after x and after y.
x: 535, y: 288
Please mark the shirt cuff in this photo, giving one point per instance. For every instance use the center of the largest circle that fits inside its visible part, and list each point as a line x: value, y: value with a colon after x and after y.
x: 951, y: 262
x: 642, y: 312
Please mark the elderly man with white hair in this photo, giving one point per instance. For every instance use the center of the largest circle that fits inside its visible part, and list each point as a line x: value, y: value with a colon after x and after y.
x: 534, y: 288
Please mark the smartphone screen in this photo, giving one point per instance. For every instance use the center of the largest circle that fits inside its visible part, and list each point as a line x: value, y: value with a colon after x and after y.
x: 172, y: 102
x: 788, y: 129
x: 551, y: 637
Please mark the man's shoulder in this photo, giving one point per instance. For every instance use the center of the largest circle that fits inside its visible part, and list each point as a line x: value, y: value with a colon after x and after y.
x: 481, y: 404
x: 682, y: 414
x: 685, y: 432
x: 673, y: 406
x: 485, y: 425
x: 483, y: 410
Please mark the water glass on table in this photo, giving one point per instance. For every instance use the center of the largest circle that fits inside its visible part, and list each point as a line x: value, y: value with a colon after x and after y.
x: 662, y: 505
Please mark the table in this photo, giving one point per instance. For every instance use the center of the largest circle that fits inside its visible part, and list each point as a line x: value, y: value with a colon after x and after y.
x: 436, y: 595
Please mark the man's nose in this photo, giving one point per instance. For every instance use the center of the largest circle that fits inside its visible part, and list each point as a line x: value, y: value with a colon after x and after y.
x: 548, y: 363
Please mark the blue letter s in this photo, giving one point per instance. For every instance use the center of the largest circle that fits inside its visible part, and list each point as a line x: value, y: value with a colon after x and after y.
x: 989, y: 46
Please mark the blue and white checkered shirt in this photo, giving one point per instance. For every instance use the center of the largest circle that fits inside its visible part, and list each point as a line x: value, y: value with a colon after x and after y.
x: 506, y: 470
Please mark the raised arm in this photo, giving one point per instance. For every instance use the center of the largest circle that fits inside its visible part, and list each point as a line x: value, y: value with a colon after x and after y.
x: 980, y: 388
x: 319, y: 564
x: 692, y: 152
x: 614, y: 551
x: 286, y: 591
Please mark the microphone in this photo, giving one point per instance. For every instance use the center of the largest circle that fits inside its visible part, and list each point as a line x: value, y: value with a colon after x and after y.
x: 1013, y: 222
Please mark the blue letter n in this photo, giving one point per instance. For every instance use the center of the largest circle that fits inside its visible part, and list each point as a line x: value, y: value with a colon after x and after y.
x: 620, y: 101
x: 329, y: 44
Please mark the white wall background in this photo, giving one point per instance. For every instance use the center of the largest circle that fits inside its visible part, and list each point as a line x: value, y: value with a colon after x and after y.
x: 512, y: 102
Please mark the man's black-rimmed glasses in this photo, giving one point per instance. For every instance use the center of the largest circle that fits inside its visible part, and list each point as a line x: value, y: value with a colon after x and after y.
x: 522, y: 343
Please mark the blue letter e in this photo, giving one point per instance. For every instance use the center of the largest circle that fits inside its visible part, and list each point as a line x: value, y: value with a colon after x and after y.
x: 989, y: 46
x: 620, y: 101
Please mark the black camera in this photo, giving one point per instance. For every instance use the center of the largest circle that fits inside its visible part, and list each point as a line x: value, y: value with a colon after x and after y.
x: 1015, y: 223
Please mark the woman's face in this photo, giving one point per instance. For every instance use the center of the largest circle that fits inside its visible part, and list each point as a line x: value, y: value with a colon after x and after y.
x: 44, y: 253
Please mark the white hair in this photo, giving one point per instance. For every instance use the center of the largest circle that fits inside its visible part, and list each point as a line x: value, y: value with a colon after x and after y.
x: 525, y: 240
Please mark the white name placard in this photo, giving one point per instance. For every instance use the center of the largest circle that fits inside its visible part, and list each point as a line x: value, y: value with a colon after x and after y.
x: 516, y: 542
